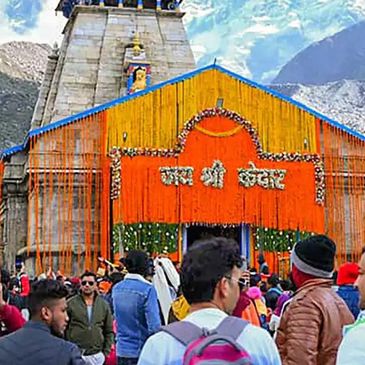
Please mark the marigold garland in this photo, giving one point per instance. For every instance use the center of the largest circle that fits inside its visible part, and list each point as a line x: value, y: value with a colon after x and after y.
x: 218, y: 134
x: 212, y: 112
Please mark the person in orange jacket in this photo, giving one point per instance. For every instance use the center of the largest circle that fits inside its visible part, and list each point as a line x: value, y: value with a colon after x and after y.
x: 256, y: 296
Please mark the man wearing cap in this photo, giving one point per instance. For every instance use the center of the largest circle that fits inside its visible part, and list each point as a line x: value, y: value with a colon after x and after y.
x: 352, y: 349
x: 310, y: 330
x: 347, y: 275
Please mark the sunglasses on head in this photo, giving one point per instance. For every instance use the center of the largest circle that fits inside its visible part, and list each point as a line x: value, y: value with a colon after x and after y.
x: 84, y: 282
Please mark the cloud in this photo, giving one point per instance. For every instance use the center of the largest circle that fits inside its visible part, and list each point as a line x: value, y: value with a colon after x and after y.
x: 32, y: 22
x: 22, y: 15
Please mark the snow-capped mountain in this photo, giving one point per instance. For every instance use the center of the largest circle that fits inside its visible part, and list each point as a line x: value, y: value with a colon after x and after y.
x: 344, y: 52
x: 343, y: 101
x: 256, y: 38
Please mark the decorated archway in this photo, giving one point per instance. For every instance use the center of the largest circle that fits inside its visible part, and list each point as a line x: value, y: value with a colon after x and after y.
x: 217, y: 174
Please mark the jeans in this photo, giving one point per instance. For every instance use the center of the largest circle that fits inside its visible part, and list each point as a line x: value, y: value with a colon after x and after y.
x: 127, y: 360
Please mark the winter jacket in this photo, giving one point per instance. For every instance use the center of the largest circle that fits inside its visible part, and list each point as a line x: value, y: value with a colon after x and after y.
x: 351, y: 296
x: 137, y: 314
x: 94, y: 336
x: 246, y: 309
x: 256, y: 296
x: 251, y: 314
x: 310, y: 330
x: 352, y: 349
x: 34, y: 345
x: 242, y: 303
x: 24, y: 284
x: 11, y: 318
x: 109, y: 299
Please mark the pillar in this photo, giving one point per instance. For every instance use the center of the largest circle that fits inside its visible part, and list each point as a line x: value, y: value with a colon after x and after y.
x: 245, y: 241
x: 184, y: 239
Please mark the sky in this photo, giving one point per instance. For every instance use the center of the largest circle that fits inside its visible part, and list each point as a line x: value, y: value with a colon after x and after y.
x: 256, y: 41
x: 30, y: 20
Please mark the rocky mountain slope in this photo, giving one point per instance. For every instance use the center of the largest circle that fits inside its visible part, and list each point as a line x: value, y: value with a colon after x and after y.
x: 24, y: 60
x: 343, y: 101
x: 339, y: 57
x: 22, y: 68
x: 329, y: 76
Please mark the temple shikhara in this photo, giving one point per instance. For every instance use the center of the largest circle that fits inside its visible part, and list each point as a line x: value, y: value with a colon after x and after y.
x: 132, y: 146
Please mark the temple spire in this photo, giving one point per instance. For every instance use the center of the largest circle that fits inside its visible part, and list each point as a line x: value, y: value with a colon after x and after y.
x: 136, y: 45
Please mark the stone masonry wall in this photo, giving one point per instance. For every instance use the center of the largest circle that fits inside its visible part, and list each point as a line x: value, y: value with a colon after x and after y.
x: 14, y: 212
x: 87, y: 71
x: 90, y: 66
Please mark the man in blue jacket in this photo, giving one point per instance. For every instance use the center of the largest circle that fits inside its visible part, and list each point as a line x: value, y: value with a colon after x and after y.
x: 347, y: 275
x: 135, y: 309
x: 38, y: 342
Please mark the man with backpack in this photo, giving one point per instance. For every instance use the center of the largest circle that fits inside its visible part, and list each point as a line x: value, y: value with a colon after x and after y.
x: 211, y: 283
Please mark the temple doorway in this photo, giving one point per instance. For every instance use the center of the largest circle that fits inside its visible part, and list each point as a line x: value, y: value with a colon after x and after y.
x: 240, y: 233
x: 195, y: 233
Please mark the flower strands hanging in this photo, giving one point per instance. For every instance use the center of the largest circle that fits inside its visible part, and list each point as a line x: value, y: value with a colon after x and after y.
x: 151, y: 237
x: 320, y: 183
x: 270, y: 179
x: 214, y: 176
x: 266, y: 178
x: 273, y: 240
x: 177, y: 175
x: 116, y: 168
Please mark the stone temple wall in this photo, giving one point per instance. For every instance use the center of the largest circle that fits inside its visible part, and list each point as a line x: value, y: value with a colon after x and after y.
x: 85, y: 72
x: 90, y: 68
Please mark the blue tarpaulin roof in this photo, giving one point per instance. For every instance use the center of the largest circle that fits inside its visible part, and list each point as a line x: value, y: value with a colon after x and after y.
x: 76, y: 117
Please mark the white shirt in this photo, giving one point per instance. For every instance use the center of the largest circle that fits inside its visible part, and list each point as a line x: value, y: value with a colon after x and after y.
x: 163, y: 349
x: 352, y: 348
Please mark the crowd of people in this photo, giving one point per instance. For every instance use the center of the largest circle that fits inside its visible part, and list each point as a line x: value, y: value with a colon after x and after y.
x: 211, y: 310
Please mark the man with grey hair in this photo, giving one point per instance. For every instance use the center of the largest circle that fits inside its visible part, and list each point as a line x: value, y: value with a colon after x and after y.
x: 310, y: 330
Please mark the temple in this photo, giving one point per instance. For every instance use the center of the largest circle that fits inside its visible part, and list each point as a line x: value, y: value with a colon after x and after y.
x: 66, y: 6
x: 131, y: 147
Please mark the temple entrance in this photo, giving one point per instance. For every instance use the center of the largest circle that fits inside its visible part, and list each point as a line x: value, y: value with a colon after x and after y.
x: 195, y: 233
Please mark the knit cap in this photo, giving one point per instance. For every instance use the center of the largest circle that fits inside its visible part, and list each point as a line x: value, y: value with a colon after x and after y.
x: 347, y: 273
x: 315, y: 256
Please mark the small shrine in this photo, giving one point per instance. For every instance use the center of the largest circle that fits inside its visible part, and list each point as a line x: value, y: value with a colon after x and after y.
x: 137, y: 68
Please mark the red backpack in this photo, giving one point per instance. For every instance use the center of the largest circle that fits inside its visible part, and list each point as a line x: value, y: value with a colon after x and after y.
x: 204, y: 347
